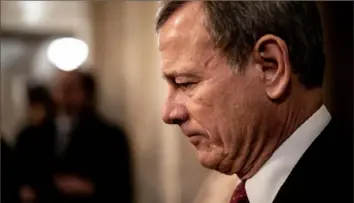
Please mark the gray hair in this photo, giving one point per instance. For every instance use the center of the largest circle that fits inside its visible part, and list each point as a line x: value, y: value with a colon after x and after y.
x: 235, y: 27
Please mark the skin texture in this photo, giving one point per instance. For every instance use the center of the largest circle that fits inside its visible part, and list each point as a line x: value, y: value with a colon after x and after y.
x: 234, y: 118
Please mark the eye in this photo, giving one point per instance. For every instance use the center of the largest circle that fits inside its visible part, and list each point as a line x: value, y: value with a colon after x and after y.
x: 185, y: 85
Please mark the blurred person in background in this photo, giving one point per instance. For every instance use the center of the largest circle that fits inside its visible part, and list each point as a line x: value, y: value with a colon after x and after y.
x: 41, y: 106
x: 40, y: 112
x: 247, y: 92
x: 8, y: 186
x: 76, y: 157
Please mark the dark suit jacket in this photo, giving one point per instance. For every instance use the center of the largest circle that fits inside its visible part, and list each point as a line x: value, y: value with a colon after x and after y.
x: 8, y: 187
x: 325, y: 171
x: 97, y: 151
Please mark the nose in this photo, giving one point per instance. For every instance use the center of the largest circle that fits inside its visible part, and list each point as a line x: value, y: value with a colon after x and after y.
x: 174, y: 114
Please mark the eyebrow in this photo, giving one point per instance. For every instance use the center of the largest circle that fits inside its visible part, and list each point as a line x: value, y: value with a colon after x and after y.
x: 175, y: 73
x: 186, y: 72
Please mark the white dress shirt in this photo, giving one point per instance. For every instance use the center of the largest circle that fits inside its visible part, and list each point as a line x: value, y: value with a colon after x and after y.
x: 64, y: 125
x: 265, y: 184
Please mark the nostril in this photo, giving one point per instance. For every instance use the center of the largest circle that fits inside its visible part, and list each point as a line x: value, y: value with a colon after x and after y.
x: 176, y: 121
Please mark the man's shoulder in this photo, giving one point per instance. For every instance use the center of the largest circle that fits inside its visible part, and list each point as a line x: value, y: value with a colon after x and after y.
x: 325, y: 168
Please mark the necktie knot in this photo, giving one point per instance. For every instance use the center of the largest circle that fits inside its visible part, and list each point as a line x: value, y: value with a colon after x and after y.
x: 239, y: 195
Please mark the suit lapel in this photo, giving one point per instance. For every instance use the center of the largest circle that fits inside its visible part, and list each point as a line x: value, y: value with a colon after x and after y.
x: 312, y: 178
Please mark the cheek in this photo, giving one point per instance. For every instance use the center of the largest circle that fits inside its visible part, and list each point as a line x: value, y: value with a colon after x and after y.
x: 209, y: 110
x: 222, y: 116
x: 224, y: 128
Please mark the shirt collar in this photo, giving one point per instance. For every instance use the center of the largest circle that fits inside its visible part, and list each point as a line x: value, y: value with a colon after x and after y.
x: 265, y: 184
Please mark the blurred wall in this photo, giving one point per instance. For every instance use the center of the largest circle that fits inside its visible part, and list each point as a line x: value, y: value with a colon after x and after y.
x: 50, y: 17
x: 337, y: 19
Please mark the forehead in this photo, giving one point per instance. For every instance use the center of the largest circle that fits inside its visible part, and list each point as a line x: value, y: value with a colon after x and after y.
x: 184, y: 30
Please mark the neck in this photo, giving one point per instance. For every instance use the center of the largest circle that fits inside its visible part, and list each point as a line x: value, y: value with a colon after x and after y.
x: 291, y: 115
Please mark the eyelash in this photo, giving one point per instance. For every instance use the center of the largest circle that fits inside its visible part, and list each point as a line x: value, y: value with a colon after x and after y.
x: 185, y: 85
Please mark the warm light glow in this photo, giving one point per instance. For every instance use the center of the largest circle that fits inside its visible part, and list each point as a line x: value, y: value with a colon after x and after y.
x: 32, y: 11
x: 67, y: 53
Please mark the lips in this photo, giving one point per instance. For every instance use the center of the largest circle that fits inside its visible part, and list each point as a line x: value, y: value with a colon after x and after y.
x: 194, y: 139
x: 194, y: 136
x: 191, y: 133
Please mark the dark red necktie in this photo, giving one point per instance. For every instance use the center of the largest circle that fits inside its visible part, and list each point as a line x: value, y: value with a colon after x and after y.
x: 240, y: 195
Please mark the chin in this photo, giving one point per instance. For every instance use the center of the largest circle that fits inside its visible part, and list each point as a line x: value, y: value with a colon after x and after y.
x: 215, y: 161
x: 208, y: 159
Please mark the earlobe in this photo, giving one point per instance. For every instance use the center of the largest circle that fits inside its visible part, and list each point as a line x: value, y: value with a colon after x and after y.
x: 271, y: 54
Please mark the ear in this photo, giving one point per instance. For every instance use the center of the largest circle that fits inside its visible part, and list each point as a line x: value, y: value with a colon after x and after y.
x: 271, y: 53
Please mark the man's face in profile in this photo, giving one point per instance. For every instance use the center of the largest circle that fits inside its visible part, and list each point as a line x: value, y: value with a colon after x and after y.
x: 216, y: 108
